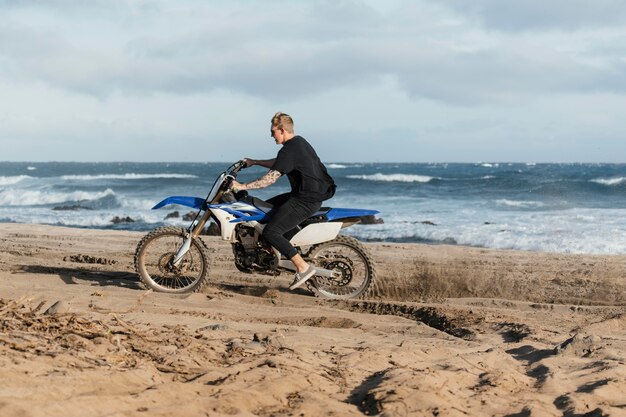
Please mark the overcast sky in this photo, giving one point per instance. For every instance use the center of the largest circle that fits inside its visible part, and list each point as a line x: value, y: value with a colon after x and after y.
x: 365, y: 80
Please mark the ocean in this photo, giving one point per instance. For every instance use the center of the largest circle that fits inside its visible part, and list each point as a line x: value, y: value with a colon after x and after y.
x: 566, y: 208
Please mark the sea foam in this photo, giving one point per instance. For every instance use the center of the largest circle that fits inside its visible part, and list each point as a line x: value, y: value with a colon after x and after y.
x: 130, y: 176
x: 591, y: 231
x: 392, y: 177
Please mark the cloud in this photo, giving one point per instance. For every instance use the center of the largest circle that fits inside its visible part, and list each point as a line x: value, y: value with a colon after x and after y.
x: 532, y: 15
x: 279, y: 49
x: 255, y: 50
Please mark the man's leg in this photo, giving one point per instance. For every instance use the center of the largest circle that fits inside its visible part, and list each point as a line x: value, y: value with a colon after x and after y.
x: 286, y: 217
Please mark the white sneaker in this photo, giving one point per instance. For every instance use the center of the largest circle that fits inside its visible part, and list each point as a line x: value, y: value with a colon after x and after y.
x: 301, y: 278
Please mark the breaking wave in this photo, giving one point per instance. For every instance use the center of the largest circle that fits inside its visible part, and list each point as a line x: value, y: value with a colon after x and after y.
x: 13, y: 180
x: 517, y: 203
x: 609, y: 181
x: 38, y: 198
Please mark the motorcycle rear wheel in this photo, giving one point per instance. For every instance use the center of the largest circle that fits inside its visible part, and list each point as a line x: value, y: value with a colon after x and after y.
x: 349, y: 258
x: 153, y: 262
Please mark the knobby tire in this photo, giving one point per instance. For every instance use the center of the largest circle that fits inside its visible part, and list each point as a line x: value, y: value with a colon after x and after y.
x: 352, y: 243
x: 151, y: 237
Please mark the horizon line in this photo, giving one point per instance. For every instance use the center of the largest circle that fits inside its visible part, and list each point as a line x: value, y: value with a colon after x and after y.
x: 325, y: 162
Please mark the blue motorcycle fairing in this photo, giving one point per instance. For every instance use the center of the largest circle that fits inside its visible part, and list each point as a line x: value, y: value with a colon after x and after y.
x: 241, y: 214
x: 342, y: 213
x: 257, y: 215
x: 193, y: 202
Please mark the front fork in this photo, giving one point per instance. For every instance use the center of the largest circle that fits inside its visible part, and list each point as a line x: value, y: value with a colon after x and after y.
x: 192, y: 233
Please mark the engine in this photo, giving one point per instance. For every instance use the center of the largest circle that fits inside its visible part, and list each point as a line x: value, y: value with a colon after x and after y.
x: 252, y: 253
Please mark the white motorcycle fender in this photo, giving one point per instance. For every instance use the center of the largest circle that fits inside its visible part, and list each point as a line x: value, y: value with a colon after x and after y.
x: 316, y: 233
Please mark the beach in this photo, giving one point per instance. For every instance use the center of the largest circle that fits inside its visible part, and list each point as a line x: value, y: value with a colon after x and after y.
x: 446, y: 330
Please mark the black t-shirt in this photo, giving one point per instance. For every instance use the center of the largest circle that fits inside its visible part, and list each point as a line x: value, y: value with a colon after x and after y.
x: 307, y: 175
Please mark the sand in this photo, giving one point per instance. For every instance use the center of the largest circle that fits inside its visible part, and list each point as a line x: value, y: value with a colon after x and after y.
x: 446, y: 331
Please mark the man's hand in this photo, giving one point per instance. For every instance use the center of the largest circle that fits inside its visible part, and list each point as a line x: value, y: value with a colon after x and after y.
x: 249, y: 162
x: 236, y: 186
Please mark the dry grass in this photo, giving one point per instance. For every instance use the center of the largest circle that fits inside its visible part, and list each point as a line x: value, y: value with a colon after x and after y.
x: 425, y: 282
x: 428, y: 282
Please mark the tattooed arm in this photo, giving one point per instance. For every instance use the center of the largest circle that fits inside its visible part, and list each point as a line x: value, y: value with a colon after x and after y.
x: 266, y: 180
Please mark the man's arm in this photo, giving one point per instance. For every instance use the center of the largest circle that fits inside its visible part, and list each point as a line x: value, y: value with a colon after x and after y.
x: 265, y: 181
x: 266, y: 163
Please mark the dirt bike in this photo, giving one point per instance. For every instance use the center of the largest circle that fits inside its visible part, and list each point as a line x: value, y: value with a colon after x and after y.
x: 176, y: 260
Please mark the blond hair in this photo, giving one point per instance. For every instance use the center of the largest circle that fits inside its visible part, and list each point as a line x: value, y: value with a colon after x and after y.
x: 282, y: 121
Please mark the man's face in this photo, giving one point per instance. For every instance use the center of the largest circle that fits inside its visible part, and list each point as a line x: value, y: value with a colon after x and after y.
x: 279, y: 135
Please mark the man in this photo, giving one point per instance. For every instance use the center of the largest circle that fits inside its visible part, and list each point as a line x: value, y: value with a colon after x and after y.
x: 310, y: 185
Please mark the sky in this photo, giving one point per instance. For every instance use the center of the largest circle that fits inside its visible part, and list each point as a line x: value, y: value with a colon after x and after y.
x: 364, y: 80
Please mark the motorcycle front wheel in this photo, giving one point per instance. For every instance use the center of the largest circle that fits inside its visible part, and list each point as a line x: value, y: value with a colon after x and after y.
x: 351, y: 262
x: 154, y: 262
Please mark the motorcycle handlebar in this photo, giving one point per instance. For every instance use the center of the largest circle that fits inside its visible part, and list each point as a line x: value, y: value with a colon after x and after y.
x: 236, y: 167
x: 233, y: 170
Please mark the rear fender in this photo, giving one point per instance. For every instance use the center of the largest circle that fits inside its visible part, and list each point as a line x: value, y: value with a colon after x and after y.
x: 342, y: 213
x: 316, y: 233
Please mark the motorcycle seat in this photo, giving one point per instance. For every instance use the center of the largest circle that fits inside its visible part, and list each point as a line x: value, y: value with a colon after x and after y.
x: 262, y: 205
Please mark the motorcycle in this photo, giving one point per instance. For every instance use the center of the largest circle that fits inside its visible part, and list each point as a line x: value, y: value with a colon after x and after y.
x: 176, y: 260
